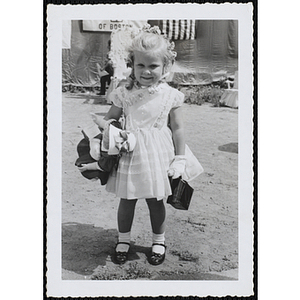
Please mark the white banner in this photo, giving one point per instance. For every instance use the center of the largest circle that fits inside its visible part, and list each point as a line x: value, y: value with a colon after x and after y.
x: 104, y: 25
x: 109, y: 25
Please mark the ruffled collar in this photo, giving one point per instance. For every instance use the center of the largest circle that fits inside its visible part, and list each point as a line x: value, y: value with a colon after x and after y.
x: 152, y: 88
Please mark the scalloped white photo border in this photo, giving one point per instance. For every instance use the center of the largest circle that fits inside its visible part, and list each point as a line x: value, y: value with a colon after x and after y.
x: 56, y: 287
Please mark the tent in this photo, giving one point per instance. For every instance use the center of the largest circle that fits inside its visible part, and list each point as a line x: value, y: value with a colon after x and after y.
x: 210, y: 54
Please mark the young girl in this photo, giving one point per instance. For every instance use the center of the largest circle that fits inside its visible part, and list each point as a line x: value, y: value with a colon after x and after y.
x: 153, y: 113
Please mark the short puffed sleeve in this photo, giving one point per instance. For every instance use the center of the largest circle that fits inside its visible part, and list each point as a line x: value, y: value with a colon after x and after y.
x: 178, y: 98
x: 117, y: 96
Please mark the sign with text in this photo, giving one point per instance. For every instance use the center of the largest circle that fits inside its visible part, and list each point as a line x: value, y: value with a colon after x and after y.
x: 104, y: 25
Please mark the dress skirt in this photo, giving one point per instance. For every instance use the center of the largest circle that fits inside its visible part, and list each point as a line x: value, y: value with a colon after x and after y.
x: 143, y: 172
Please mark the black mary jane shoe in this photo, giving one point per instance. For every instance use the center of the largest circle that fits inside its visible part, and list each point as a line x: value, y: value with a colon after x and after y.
x: 157, y: 258
x: 120, y: 257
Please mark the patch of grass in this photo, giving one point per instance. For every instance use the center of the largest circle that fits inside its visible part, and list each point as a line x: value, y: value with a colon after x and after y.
x: 203, y: 93
x: 137, y: 271
x: 219, y: 266
x: 185, y: 255
x: 128, y: 272
x: 191, y: 221
x: 174, y: 272
x: 197, y: 225
x: 108, y: 276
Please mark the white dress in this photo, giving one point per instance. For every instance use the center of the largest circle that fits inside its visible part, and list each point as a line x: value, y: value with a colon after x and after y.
x: 143, y: 172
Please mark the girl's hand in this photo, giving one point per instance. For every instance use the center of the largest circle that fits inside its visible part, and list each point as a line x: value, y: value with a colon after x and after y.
x: 89, y: 167
x: 83, y: 168
x: 98, y: 120
x: 177, y: 167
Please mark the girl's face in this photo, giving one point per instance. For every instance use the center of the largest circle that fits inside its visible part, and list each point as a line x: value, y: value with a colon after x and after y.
x: 148, y: 68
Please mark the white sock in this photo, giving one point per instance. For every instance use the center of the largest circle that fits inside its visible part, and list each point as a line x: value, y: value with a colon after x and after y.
x: 124, y: 237
x: 159, y: 239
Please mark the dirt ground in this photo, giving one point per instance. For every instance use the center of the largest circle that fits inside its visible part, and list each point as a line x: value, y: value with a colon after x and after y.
x: 202, y: 243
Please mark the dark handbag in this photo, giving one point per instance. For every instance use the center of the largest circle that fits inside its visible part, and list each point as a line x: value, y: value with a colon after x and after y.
x: 181, y: 194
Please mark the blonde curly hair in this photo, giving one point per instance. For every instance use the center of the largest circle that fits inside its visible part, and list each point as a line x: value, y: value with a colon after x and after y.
x: 150, y: 39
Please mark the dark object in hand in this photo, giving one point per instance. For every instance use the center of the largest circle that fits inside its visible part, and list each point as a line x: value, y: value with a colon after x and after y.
x: 83, y: 150
x: 106, y: 162
x: 181, y: 193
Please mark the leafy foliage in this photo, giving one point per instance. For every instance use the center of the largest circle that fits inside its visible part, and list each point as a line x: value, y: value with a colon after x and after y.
x: 199, y: 94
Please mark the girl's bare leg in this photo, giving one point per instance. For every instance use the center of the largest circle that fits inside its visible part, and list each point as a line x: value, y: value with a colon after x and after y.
x: 125, y: 218
x: 126, y: 214
x: 157, y: 215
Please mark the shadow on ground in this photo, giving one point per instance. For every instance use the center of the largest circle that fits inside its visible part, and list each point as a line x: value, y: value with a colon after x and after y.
x: 89, y: 98
x: 231, y: 147
x: 85, y: 247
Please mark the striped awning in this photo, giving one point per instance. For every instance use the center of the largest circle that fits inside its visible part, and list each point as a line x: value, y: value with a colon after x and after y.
x: 179, y: 29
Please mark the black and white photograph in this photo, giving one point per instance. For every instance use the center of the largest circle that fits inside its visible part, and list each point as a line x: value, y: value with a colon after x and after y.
x: 150, y: 150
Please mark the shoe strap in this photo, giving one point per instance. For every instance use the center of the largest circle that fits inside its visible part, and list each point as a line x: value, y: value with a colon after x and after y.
x: 124, y: 243
x: 158, y: 244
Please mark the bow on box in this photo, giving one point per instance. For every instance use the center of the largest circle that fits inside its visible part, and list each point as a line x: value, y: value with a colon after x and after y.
x: 120, y: 141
